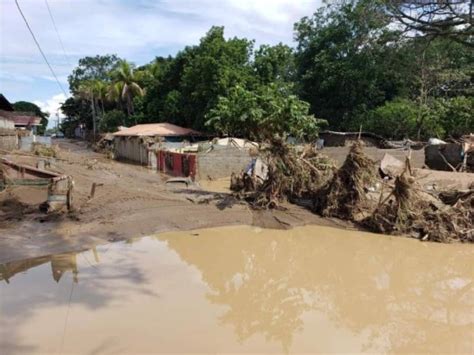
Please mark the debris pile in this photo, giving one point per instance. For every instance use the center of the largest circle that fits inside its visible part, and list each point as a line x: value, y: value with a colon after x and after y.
x: 407, y: 211
x: 397, y: 212
x: 12, y: 209
x: 290, y: 175
x: 44, y: 150
x: 105, y: 145
x: 345, y: 195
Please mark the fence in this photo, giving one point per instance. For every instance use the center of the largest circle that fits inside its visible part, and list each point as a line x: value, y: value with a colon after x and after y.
x: 27, y: 141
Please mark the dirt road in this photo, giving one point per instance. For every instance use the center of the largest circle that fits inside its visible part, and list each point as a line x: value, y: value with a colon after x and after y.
x: 131, y: 201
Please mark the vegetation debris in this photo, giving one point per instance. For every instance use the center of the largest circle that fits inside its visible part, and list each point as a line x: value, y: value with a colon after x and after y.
x: 345, y: 195
x: 406, y: 211
x: 44, y: 150
x: 290, y: 175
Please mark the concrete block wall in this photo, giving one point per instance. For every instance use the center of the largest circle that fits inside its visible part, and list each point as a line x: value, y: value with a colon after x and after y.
x: 221, y: 162
x: 9, y: 142
x: 6, y: 123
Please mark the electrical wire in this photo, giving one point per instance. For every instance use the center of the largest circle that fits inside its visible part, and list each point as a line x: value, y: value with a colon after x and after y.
x: 57, y: 32
x: 39, y: 47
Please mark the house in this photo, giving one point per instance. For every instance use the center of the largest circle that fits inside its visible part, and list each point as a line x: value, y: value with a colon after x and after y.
x: 25, y: 121
x: 138, y: 142
x: 8, y: 136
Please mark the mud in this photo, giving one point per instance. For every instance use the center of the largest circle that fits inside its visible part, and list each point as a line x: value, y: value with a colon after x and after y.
x: 243, y: 290
x: 132, y: 201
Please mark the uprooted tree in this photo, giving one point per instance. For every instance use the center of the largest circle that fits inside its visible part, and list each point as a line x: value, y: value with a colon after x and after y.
x: 345, y: 194
x: 410, y: 211
x: 290, y: 175
x: 270, y: 114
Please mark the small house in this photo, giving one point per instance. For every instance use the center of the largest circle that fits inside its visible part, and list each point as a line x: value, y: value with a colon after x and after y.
x: 137, y: 143
x: 27, y: 121
x: 8, y: 137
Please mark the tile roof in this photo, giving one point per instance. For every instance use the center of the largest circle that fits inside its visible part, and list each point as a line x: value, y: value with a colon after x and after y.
x: 157, y: 129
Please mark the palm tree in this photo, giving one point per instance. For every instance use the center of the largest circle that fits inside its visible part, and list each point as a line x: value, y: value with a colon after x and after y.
x: 125, y: 82
x: 87, y: 92
x: 100, y: 90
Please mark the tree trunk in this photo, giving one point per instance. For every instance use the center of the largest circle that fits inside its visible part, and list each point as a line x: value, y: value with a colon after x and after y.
x: 94, y: 120
x: 130, y: 106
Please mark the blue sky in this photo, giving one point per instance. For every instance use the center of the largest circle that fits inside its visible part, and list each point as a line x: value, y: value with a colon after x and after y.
x: 137, y: 30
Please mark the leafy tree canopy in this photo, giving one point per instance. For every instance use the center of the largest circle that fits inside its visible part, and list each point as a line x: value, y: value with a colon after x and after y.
x: 92, y: 68
x: 263, y: 113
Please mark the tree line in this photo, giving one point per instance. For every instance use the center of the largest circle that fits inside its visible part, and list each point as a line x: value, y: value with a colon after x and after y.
x: 379, y: 65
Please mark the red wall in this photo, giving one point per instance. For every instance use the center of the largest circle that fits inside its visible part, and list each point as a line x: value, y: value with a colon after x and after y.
x: 177, y: 164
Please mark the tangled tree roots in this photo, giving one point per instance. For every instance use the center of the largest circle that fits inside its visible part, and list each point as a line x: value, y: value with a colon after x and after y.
x: 290, y: 175
x: 345, y: 195
x: 397, y: 212
x: 405, y: 211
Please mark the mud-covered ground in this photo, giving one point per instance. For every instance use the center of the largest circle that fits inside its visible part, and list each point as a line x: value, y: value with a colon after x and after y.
x: 133, y: 201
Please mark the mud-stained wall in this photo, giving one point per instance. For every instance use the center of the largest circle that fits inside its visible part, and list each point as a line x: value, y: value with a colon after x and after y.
x: 221, y: 161
x: 132, y: 149
x: 8, y: 140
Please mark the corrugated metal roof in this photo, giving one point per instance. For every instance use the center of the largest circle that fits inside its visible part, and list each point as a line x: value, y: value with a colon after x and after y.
x: 157, y: 129
x: 21, y: 118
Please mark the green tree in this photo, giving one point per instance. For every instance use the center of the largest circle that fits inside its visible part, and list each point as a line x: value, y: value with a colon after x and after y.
x: 100, y: 90
x: 190, y: 84
x: 263, y: 113
x: 26, y: 106
x: 77, y: 112
x: 348, y: 60
x: 450, y: 19
x: 125, y: 81
x: 111, y: 120
x: 456, y: 115
x: 88, y: 91
x: 216, y: 66
x: 92, y: 68
x: 274, y: 63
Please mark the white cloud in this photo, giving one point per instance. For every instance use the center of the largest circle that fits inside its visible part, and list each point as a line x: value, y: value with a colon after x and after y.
x: 51, y: 106
x: 135, y: 29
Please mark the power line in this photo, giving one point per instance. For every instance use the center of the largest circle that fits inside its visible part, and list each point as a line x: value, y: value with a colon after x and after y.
x: 57, y: 32
x: 39, y: 47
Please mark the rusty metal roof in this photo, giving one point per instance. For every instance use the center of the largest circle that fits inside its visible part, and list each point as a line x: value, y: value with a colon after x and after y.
x: 157, y: 129
x: 21, y: 118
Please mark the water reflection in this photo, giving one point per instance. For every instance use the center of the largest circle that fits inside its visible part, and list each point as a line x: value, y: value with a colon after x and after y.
x: 60, y: 264
x: 312, y: 289
x: 399, y: 294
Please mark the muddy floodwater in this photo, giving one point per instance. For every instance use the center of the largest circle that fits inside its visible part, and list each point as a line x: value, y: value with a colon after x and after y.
x: 243, y: 290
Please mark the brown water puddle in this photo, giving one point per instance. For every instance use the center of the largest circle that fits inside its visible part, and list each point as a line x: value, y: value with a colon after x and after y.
x: 243, y: 289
